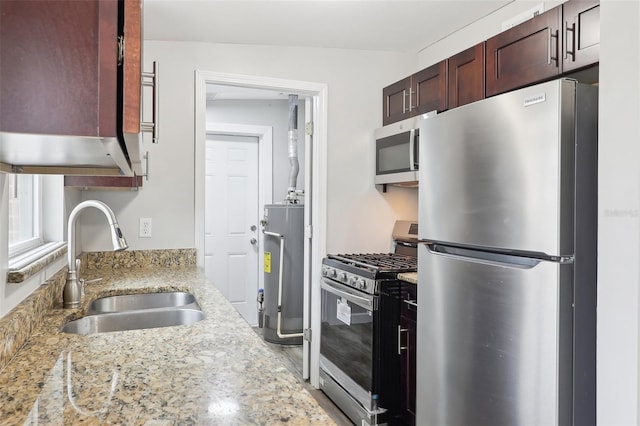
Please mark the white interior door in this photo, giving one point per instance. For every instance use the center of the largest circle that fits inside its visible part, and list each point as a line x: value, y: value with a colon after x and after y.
x: 231, y: 220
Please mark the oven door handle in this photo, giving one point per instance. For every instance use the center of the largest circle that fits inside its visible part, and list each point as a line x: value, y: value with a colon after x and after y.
x: 358, y: 300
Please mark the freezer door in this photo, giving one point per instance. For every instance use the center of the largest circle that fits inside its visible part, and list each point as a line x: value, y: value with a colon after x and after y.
x: 494, y: 341
x: 499, y: 172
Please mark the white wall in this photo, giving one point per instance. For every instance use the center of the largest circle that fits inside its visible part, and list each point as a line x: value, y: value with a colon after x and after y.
x: 273, y: 113
x: 619, y: 196
x: 619, y: 214
x: 355, y: 80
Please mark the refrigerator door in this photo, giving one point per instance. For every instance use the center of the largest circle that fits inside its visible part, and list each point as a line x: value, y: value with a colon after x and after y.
x: 494, y: 340
x: 498, y: 173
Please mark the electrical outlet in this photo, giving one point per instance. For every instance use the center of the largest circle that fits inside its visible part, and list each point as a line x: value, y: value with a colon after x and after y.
x: 145, y: 227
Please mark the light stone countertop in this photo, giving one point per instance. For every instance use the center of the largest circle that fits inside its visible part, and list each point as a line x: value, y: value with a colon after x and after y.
x: 214, y: 372
x: 410, y: 277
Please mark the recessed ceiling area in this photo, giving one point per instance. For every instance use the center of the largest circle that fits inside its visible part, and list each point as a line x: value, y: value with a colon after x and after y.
x: 385, y: 25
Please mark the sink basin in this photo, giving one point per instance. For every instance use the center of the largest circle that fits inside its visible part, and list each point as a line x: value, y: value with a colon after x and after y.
x: 130, y: 302
x: 133, y: 320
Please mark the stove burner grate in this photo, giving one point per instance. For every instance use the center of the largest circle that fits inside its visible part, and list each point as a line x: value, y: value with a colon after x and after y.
x: 382, y: 262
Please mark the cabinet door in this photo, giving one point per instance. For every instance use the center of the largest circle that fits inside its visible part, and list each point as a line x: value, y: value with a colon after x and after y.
x: 132, y: 67
x: 581, y: 25
x: 395, y: 100
x: 408, y: 324
x: 466, y: 77
x: 525, y: 54
x: 58, y: 67
x: 429, y: 89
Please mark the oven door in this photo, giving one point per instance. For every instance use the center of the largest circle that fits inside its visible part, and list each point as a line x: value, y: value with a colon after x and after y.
x: 347, y: 349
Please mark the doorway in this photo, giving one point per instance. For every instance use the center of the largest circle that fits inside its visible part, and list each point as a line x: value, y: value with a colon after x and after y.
x: 314, y: 187
x: 238, y: 164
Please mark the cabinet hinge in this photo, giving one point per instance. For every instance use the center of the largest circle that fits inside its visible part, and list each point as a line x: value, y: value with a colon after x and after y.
x: 307, y: 334
x: 308, y: 128
x: 120, y: 50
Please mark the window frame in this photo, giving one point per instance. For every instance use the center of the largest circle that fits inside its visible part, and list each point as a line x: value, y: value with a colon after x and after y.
x: 24, y: 246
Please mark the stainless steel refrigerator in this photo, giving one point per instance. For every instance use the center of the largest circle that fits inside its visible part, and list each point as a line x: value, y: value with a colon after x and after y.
x: 507, y: 265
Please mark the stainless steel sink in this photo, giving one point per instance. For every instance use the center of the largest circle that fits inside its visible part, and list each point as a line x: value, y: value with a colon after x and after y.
x: 134, y: 320
x: 137, y: 311
x: 130, y: 302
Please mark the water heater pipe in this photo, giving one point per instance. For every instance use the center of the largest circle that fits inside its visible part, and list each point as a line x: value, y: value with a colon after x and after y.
x: 293, y: 146
x: 280, y: 272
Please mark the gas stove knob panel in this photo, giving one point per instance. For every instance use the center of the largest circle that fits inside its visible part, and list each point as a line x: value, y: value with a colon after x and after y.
x: 329, y: 272
x: 362, y: 284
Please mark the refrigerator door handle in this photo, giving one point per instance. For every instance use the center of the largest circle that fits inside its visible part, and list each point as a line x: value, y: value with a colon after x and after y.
x: 487, y: 258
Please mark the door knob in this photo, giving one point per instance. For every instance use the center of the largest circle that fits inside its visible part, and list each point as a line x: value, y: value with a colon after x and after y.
x: 253, y: 228
x: 253, y: 241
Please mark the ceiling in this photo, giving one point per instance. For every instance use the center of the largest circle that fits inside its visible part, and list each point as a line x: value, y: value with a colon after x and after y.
x: 387, y: 25
x: 382, y: 25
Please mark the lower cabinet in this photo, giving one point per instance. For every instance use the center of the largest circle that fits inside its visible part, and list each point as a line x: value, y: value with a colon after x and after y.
x: 408, y: 318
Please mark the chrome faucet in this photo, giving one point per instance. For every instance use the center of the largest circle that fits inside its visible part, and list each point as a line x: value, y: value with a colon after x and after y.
x: 73, y: 290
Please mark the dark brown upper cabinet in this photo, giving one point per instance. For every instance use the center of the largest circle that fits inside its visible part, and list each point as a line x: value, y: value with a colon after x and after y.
x: 581, y: 27
x: 430, y: 89
x: 421, y: 92
x: 466, y: 76
x: 396, y: 101
x: 524, y: 54
x: 59, y: 67
x: 70, y: 97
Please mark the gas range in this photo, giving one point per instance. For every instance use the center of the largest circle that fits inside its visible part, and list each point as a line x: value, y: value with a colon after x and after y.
x: 361, y: 299
x: 364, y: 271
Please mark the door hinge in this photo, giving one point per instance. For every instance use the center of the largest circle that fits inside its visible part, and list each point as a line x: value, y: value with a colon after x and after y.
x: 307, y: 334
x: 308, y: 128
x: 308, y: 232
x: 120, y: 50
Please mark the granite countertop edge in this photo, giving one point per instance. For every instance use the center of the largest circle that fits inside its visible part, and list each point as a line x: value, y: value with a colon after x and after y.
x: 216, y: 371
x: 410, y: 277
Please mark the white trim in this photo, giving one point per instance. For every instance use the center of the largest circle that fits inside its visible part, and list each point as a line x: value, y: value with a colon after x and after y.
x: 265, y: 185
x: 318, y: 198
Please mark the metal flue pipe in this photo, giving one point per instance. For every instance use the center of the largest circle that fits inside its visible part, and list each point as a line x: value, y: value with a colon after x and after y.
x: 293, y: 147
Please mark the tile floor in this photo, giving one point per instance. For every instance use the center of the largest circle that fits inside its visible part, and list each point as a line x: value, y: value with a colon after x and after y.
x: 292, y: 358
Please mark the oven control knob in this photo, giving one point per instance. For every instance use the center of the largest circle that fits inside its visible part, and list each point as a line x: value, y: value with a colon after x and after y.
x: 353, y: 281
x: 342, y: 276
x: 362, y: 284
x: 328, y: 272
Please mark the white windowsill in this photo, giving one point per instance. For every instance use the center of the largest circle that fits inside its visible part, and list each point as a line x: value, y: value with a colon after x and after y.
x: 28, y: 264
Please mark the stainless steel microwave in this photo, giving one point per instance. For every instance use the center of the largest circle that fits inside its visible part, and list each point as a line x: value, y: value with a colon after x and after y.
x: 397, y: 153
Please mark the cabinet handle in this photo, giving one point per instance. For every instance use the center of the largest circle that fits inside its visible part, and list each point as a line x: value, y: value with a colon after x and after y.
x: 571, y: 52
x: 411, y: 93
x: 146, y: 166
x: 152, y: 79
x: 400, y: 347
x: 404, y: 101
x: 550, y: 57
x: 411, y: 303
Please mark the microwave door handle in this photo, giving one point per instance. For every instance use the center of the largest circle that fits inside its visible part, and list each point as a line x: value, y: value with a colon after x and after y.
x: 412, y: 149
